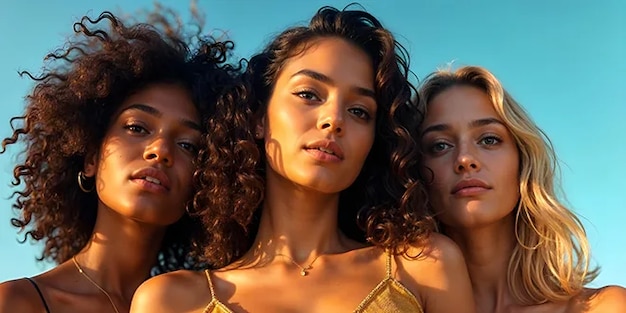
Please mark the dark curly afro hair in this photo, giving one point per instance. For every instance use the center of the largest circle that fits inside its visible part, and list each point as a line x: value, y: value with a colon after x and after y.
x: 70, y: 108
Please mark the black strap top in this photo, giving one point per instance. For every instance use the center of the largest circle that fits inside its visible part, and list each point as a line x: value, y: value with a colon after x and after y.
x: 43, y: 300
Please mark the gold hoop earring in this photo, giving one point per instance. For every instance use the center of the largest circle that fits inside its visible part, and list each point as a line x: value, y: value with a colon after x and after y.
x: 82, y: 178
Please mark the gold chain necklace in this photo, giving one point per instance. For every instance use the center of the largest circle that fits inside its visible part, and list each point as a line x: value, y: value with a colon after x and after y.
x: 80, y: 270
x: 304, y: 270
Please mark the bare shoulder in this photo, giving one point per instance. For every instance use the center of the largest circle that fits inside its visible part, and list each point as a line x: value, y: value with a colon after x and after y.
x: 436, y: 261
x: 607, y: 299
x: 438, y: 252
x: 19, y: 296
x: 179, y: 291
x: 435, y: 271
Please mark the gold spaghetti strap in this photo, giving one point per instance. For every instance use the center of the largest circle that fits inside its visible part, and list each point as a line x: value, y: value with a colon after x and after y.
x: 388, y: 264
x: 208, y: 277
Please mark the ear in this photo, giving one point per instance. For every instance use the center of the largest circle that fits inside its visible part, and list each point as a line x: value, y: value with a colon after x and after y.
x: 91, y: 164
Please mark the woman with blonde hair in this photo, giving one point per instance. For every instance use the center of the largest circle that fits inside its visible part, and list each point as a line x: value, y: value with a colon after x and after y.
x: 490, y: 175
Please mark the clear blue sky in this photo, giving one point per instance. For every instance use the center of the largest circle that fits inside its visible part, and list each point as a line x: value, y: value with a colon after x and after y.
x: 565, y: 61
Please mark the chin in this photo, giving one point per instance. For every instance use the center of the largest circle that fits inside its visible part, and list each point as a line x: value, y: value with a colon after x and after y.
x: 323, y: 183
x: 155, y: 222
x: 156, y: 217
x: 459, y: 217
x: 319, y: 188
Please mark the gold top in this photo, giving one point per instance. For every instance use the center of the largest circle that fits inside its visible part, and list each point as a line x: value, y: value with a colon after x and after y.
x: 388, y: 296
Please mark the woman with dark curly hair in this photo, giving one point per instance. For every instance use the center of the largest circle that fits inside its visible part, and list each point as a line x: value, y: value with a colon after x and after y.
x: 111, y: 133
x: 318, y: 208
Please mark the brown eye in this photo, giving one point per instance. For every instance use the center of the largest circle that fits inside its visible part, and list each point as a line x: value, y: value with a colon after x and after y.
x: 136, y: 129
x: 308, y: 95
x: 360, y: 113
x: 189, y: 147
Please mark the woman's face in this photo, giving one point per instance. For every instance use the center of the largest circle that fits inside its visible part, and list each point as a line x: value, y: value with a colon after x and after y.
x: 473, y: 158
x: 320, y: 120
x: 145, y: 164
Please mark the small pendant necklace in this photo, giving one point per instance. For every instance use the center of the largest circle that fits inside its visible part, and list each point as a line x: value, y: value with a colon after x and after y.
x: 304, y: 270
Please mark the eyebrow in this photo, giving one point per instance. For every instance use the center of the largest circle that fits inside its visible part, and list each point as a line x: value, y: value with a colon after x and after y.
x: 152, y: 111
x: 327, y: 80
x: 472, y: 124
x: 485, y: 122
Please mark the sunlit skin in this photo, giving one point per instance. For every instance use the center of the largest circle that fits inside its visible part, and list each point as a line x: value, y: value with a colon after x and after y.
x: 154, y: 131
x: 473, y: 157
x: 318, y: 130
x: 473, y: 161
x: 302, y: 195
x: 154, y: 134
x: 321, y: 104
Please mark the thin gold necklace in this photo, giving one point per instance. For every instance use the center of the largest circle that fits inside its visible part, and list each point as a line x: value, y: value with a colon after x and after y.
x: 304, y: 270
x: 80, y: 270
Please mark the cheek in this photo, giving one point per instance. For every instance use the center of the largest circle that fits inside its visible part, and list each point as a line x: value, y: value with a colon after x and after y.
x: 513, y: 177
x: 281, y: 129
x: 187, y: 173
x: 511, y: 169
x: 367, y: 141
x: 115, y: 152
x: 284, y: 127
x: 282, y: 117
x: 109, y: 160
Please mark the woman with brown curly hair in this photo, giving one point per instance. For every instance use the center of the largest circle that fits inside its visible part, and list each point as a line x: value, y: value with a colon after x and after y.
x: 111, y: 134
x: 491, y: 174
x: 318, y: 209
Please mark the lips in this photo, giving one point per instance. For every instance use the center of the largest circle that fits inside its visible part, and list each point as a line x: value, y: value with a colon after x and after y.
x: 469, y: 183
x: 153, y: 176
x: 326, y: 146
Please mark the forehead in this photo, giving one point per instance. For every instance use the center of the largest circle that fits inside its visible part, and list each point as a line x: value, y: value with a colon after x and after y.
x: 334, y: 57
x: 459, y: 103
x: 170, y: 100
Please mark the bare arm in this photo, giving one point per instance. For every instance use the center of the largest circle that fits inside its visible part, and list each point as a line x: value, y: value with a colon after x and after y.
x: 439, y: 277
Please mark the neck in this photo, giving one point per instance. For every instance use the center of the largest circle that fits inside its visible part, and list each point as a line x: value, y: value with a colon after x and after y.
x: 487, y: 251
x: 120, y: 253
x: 297, y: 222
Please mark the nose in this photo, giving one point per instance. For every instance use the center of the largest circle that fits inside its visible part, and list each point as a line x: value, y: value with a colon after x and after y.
x: 466, y: 160
x: 159, y: 151
x: 331, y: 117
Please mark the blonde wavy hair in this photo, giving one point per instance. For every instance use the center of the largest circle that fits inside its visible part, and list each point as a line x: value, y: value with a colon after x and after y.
x: 551, y: 261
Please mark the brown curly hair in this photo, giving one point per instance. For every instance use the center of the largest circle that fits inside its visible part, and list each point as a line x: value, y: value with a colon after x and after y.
x: 70, y: 108
x: 386, y: 204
